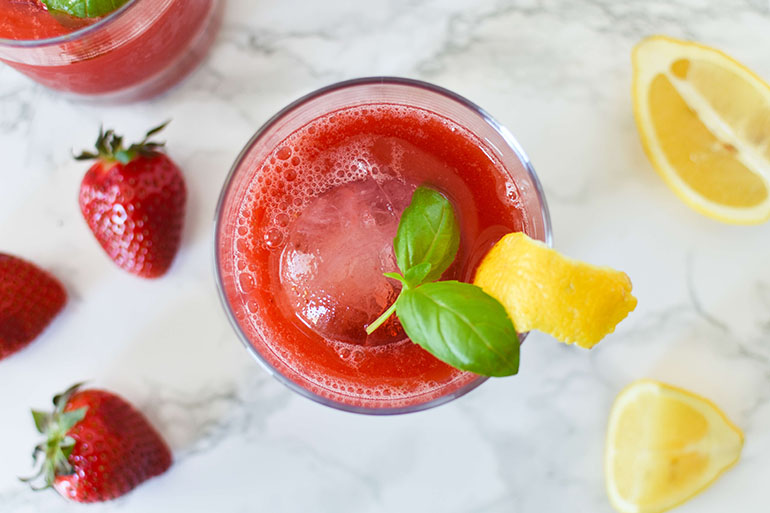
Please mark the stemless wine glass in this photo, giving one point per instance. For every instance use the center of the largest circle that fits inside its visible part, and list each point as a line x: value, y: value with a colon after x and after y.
x: 136, y: 52
x: 250, y: 318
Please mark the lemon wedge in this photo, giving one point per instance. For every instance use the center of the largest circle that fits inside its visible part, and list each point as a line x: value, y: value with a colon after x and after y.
x: 543, y: 290
x: 704, y: 121
x: 665, y: 445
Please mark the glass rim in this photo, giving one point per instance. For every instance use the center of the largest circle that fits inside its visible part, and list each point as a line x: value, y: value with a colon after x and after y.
x: 70, y: 36
x: 291, y: 107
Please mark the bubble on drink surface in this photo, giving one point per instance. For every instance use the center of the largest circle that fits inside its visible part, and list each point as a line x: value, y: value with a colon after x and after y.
x: 511, y: 194
x: 273, y: 238
x: 283, y: 153
x: 322, y: 385
x: 335, y: 253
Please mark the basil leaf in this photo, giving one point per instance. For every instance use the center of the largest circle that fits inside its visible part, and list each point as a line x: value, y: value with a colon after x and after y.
x: 416, y: 275
x: 395, y: 276
x: 461, y: 325
x: 84, y: 8
x: 427, y: 232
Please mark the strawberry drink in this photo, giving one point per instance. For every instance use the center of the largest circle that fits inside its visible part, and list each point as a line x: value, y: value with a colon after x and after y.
x: 29, y: 19
x: 306, y: 224
x: 135, y: 52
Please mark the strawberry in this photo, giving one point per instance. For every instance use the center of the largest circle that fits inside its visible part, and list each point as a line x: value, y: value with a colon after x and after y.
x: 133, y: 200
x: 98, y: 447
x: 29, y: 300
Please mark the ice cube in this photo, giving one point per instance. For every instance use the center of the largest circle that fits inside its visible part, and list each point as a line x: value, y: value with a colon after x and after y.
x: 336, y: 251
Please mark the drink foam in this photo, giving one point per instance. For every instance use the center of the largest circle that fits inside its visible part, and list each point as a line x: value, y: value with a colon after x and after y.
x: 306, y: 174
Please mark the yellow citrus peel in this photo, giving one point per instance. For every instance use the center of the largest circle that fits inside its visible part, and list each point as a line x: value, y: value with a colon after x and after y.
x: 543, y: 290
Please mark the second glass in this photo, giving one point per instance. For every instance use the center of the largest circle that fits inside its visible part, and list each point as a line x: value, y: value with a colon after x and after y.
x: 134, y: 53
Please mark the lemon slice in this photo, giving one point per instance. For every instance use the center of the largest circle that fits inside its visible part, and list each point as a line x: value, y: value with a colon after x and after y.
x: 665, y: 445
x: 543, y: 290
x: 704, y: 120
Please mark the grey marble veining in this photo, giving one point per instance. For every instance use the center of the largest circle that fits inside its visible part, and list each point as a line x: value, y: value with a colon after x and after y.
x: 557, y: 73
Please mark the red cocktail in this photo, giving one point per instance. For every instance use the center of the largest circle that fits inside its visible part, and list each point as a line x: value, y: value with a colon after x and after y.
x: 306, y: 222
x: 133, y: 53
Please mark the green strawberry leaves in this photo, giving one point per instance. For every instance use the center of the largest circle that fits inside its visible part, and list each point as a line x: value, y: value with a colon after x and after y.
x: 456, y: 322
x: 109, y: 147
x: 51, y: 456
x: 84, y: 8
x: 42, y: 420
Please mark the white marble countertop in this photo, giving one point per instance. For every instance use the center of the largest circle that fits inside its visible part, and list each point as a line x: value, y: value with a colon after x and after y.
x: 557, y: 73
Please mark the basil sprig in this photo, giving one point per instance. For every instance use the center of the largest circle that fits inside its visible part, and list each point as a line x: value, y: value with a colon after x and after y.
x: 84, y: 8
x: 456, y: 322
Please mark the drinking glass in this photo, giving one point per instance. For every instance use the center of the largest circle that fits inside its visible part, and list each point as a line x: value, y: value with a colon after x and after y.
x: 497, y: 142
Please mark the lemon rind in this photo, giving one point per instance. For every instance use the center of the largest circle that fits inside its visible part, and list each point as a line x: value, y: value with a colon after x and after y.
x: 486, y: 277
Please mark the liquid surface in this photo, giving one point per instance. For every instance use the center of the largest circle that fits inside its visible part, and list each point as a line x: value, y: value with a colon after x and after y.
x: 29, y: 19
x: 151, y: 43
x: 314, y: 234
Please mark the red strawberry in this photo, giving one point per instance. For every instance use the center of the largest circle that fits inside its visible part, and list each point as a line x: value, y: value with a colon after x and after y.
x: 98, y: 447
x: 133, y: 200
x: 29, y: 300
